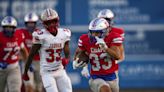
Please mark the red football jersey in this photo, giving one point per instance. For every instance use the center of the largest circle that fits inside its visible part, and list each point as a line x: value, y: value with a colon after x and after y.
x: 10, y: 47
x: 119, y: 31
x: 28, y: 42
x: 101, y: 62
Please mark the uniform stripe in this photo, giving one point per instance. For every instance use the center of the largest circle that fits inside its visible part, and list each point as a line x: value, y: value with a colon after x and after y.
x: 80, y: 41
x: 30, y: 16
x: 117, y: 39
x: 117, y: 42
x: 9, y: 19
x: 79, y: 44
x: 50, y: 12
x: 123, y: 35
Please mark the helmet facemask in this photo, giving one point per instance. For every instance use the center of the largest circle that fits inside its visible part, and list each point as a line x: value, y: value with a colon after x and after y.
x: 51, y: 25
x: 31, y: 26
x: 8, y: 30
x: 99, y: 33
x: 9, y: 25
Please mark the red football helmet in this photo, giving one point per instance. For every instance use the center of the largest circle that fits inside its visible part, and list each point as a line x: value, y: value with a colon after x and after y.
x: 50, y: 20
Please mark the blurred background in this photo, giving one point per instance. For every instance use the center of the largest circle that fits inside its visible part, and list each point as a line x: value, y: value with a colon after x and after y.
x: 142, y: 20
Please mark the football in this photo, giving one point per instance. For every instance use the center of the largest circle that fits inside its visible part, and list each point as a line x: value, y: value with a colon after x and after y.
x: 83, y: 57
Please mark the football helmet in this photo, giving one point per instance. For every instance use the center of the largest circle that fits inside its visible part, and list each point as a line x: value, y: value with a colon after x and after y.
x: 9, y: 21
x: 50, y: 20
x: 30, y: 20
x: 107, y: 14
x: 9, y: 24
x: 31, y: 17
x: 99, y: 26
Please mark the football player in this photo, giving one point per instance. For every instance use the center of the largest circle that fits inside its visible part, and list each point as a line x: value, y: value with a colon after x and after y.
x: 11, y: 44
x: 102, y: 44
x: 51, y: 41
x: 109, y: 16
x: 30, y: 21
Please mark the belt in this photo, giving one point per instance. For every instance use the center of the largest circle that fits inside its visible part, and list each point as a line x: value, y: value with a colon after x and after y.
x: 52, y: 70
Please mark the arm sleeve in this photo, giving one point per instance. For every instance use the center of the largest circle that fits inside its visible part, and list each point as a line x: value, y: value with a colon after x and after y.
x: 68, y: 34
x: 117, y: 40
x: 37, y: 37
x: 81, y: 43
x: 21, y: 38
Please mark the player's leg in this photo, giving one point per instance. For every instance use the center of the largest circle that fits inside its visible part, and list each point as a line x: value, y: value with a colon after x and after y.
x: 28, y: 86
x: 114, y: 84
x: 3, y: 76
x: 21, y: 64
x: 49, y: 83
x: 37, y: 77
x: 64, y: 82
x: 104, y: 88
x: 14, y: 79
x: 99, y: 85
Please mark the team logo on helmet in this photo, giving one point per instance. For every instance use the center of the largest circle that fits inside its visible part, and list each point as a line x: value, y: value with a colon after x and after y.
x: 9, y: 24
x: 31, y: 17
x: 9, y: 21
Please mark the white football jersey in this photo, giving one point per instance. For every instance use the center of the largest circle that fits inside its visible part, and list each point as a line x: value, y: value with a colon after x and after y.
x: 51, y: 47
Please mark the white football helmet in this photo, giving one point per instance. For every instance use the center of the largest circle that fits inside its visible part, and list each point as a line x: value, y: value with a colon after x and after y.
x: 50, y: 20
x: 98, y: 25
x: 49, y: 14
x: 9, y: 25
x: 106, y: 13
x: 9, y: 21
x: 31, y: 17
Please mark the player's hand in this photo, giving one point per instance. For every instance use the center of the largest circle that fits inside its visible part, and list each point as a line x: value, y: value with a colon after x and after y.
x: 25, y: 77
x: 85, y: 72
x: 78, y: 65
x: 65, y: 61
x: 75, y: 63
x: 101, y: 43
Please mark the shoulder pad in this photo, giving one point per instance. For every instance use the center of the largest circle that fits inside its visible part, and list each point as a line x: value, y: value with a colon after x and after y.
x: 67, y: 32
x: 37, y: 32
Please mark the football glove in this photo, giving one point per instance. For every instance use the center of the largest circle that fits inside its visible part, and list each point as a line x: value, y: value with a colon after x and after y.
x: 65, y: 61
x: 25, y: 77
x: 85, y: 72
x: 77, y: 64
x: 101, y: 43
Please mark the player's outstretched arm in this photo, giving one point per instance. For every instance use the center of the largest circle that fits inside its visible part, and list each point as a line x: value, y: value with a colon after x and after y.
x: 65, y: 60
x: 75, y: 62
x: 114, y: 52
x: 24, y: 53
x: 77, y: 53
x: 67, y: 50
x: 34, y: 49
x: 122, y: 53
